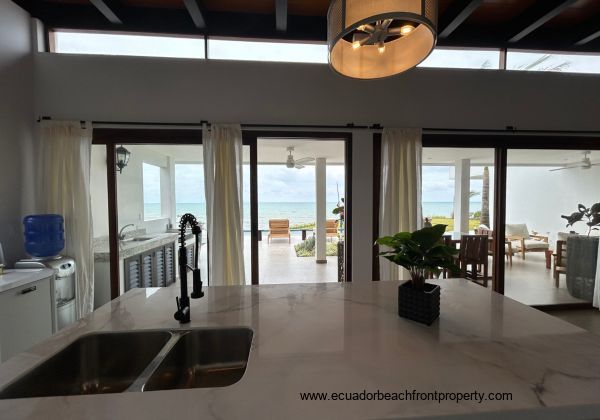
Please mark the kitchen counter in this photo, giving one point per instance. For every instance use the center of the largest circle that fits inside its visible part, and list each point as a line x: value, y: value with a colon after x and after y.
x: 344, y: 338
x: 130, y: 248
x: 17, y: 278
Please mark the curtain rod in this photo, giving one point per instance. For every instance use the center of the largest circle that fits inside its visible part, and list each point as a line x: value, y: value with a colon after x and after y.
x: 202, y: 122
x: 509, y: 130
x: 83, y: 123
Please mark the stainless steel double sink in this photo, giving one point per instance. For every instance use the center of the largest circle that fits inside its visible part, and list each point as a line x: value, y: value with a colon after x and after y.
x: 109, y: 362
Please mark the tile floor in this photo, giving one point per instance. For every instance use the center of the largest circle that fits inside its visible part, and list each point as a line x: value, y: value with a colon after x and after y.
x: 530, y: 282
x: 588, y: 319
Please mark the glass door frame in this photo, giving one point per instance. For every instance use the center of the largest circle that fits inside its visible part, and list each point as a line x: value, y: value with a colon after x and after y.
x: 112, y: 137
x: 251, y: 136
x: 501, y: 143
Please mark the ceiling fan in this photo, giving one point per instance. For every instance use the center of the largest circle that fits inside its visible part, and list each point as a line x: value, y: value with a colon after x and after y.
x: 293, y: 163
x: 586, y: 163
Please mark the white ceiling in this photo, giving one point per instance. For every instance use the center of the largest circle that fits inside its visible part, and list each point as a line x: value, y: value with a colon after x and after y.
x: 447, y: 156
x: 270, y: 151
x: 273, y: 151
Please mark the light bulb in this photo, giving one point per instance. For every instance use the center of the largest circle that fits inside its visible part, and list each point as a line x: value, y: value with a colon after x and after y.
x: 381, y: 49
x: 361, y: 28
x: 406, y: 29
x: 356, y: 45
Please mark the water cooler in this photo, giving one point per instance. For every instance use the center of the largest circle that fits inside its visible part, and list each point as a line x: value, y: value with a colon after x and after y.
x: 44, y: 240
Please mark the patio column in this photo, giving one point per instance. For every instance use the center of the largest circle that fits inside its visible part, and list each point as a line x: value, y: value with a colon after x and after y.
x: 462, y: 188
x: 169, y: 189
x: 321, y: 211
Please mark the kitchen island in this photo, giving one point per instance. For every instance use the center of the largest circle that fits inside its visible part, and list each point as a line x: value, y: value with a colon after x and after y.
x: 345, y: 339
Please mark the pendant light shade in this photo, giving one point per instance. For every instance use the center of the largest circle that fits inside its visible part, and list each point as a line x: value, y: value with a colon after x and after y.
x: 371, y: 39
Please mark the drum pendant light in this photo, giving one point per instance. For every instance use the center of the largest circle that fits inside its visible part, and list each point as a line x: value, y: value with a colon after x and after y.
x: 371, y: 39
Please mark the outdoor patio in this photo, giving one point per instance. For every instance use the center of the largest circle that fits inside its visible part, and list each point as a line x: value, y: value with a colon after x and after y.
x: 278, y: 263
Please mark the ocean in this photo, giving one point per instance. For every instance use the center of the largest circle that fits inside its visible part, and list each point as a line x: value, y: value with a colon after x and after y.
x: 297, y: 213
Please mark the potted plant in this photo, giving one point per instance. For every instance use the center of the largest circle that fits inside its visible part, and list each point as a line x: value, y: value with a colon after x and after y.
x: 592, y: 215
x: 422, y: 253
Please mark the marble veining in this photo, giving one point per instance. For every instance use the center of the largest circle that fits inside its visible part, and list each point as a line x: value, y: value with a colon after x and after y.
x: 343, y: 338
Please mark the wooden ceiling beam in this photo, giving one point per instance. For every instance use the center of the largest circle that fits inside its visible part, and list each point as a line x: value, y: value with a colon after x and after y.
x: 107, y: 10
x: 540, y: 13
x: 457, y: 13
x: 195, y: 10
x: 590, y: 31
x: 281, y: 15
x: 588, y: 39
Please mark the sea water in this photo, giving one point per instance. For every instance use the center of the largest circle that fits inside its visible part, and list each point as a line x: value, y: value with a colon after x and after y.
x: 298, y: 213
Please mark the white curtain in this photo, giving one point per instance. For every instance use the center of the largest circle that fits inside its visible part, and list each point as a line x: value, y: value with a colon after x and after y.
x: 400, y: 205
x: 222, y: 147
x: 64, y: 188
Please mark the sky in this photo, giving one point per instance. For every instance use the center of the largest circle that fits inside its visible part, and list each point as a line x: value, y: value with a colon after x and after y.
x: 276, y: 183
x: 438, y: 185
x: 188, y: 47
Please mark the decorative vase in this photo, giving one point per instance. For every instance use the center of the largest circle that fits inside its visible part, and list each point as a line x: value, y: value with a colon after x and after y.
x: 419, y: 305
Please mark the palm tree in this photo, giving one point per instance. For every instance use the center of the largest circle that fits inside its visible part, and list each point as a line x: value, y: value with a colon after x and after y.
x: 485, y: 198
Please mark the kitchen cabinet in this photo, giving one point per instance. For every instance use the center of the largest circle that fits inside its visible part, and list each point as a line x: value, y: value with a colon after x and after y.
x: 25, y: 316
x: 152, y: 268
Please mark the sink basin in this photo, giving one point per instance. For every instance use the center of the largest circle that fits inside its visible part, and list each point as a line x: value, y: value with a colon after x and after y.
x: 203, y: 358
x: 97, y: 363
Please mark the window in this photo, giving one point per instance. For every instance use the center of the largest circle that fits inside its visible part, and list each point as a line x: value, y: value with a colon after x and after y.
x: 151, y: 188
x: 189, y: 191
x: 228, y: 49
x: 463, y: 59
x: 133, y: 45
x: 549, y: 61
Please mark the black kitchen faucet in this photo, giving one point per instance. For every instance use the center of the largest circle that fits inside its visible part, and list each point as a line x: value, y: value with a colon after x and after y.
x: 183, y: 303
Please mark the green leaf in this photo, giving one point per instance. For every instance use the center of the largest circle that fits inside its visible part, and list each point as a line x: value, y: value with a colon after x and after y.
x: 429, y: 236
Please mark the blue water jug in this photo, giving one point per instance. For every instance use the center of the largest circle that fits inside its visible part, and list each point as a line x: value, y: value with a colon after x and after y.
x: 44, y: 234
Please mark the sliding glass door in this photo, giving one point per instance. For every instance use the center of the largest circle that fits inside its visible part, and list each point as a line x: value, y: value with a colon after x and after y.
x: 144, y: 180
x: 458, y: 191
x: 543, y: 189
x: 301, y: 194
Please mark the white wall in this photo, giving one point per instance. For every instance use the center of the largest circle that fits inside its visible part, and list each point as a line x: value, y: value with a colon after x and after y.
x: 129, y: 190
x: 539, y: 197
x: 130, y: 193
x: 161, y: 90
x: 16, y: 126
x: 104, y: 88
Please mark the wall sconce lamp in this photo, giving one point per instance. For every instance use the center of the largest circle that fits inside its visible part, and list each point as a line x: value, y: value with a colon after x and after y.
x: 123, y: 156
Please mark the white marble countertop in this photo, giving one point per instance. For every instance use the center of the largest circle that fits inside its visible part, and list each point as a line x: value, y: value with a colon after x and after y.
x: 343, y: 338
x: 130, y: 248
x: 16, y: 278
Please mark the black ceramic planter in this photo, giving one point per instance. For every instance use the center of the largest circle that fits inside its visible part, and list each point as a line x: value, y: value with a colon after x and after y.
x: 419, y: 305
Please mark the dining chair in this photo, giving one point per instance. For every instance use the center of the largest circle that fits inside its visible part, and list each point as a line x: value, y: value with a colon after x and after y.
x: 473, y: 254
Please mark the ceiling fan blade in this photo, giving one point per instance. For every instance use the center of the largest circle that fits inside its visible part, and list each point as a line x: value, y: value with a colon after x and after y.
x: 299, y: 166
x: 304, y: 160
x: 563, y: 168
